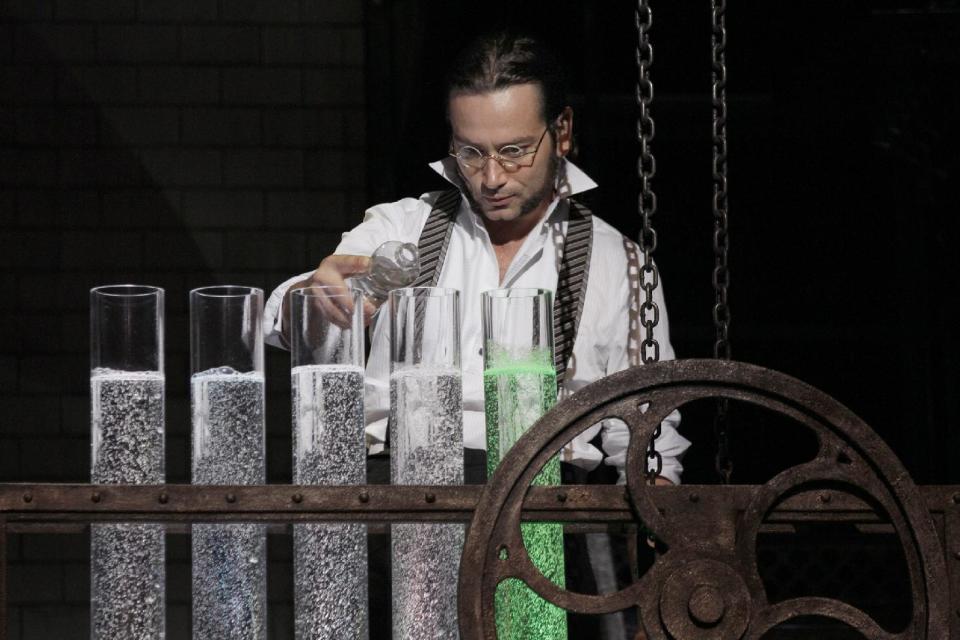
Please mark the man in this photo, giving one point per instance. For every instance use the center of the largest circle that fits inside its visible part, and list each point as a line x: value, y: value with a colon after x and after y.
x: 511, y: 132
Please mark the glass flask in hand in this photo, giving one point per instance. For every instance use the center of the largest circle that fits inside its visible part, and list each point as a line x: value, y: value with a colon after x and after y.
x: 393, y: 265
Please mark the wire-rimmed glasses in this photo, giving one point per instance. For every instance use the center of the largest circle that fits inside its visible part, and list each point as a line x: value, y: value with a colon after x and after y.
x: 509, y: 156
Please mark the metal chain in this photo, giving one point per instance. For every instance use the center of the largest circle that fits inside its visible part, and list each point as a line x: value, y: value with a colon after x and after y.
x: 647, y: 207
x: 721, y: 235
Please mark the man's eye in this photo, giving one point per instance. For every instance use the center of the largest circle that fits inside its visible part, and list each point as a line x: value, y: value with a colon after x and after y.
x: 469, y: 153
x: 511, y: 151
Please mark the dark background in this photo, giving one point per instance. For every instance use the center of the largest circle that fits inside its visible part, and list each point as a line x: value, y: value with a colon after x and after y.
x: 194, y: 142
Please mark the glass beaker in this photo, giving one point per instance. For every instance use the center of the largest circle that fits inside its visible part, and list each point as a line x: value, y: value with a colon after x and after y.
x: 227, y: 403
x: 426, y: 448
x: 330, y: 559
x: 127, y: 573
x: 519, y: 386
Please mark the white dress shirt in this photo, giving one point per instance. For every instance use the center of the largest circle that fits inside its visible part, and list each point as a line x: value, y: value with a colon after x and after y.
x: 471, y: 267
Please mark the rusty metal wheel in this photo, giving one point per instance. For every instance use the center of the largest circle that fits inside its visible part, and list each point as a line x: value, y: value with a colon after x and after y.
x: 706, y: 584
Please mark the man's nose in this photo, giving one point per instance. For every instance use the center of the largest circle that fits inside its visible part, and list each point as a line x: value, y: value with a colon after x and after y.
x: 493, y: 174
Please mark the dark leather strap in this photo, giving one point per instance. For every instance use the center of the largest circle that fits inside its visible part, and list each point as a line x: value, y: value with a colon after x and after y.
x: 432, y: 246
x: 571, y: 285
x: 435, y: 238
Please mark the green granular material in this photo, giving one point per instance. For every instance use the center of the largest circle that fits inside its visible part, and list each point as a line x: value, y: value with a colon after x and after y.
x: 514, y: 398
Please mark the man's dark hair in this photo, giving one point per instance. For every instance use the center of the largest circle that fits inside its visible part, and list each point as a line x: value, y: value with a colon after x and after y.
x: 503, y: 59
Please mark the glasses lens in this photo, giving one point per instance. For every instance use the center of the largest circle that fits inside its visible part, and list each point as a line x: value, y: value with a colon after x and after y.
x: 470, y: 157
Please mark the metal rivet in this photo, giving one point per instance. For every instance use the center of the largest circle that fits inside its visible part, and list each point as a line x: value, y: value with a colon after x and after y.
x: 430, y: 498
x: 956, y: 498
x: 163, y: 498
x: 28, y: 497
x: 562, y: 497
x: 824, y: 498
x: 95, y: 496
x: 231, y: 498
x: 298, y: 498
x: 956, y: 554
x: 694, y: 497
x: 364, y: 496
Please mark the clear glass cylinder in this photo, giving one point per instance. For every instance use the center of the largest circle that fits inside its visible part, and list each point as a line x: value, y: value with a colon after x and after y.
x: 426, y: 442
x: 227, y: 399
x: 127, y: 574
x: 329, y: 448
x: 520, y: 385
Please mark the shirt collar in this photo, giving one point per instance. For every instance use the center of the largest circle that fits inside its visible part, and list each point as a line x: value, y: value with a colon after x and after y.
x: 572, y: 178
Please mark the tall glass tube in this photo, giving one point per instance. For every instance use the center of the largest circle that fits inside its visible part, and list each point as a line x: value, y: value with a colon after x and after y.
x: 520, y: 385
x: 126, y: 423
x: 426, y: 441
x: 227, y: 398
x: 330, y: 560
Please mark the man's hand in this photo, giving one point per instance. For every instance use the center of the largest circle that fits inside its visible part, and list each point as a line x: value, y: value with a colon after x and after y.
x: 332, y: 272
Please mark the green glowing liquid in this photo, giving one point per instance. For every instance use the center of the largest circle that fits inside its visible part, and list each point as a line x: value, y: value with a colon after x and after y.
x: 515, y: 396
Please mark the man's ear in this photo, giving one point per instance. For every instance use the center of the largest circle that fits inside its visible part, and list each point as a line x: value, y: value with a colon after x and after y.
x: 565, y: 132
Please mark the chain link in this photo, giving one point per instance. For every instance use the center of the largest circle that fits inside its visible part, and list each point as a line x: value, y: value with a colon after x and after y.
x: 647, y: 207
x: 721, y: 235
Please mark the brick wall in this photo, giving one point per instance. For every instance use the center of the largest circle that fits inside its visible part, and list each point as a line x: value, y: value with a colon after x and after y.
x: 179, y: 143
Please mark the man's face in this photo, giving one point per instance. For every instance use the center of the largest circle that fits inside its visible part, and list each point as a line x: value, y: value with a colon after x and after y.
x: 491, y: 121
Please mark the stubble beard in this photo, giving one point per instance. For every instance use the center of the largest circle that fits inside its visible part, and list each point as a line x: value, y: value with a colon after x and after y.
x: 529, y: 204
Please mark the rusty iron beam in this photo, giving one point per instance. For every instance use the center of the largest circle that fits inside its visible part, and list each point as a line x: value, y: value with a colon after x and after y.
x: 376, y: 528
x: 59, y: 505
x: 53, y: 504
